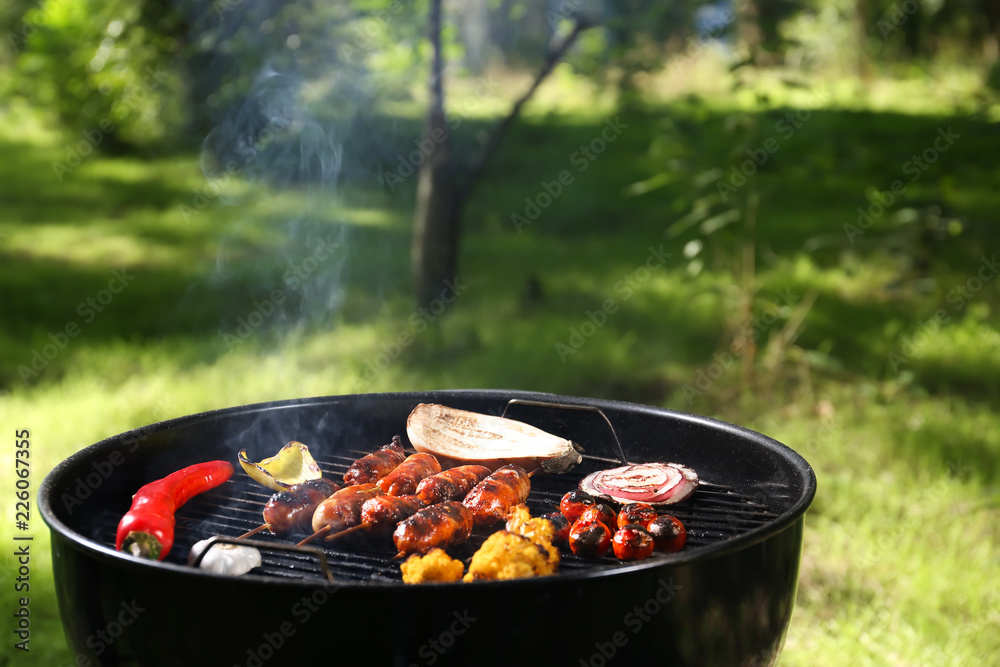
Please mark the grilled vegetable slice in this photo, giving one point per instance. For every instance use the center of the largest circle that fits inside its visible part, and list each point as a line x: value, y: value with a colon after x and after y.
x: 458, y: 437
x: 293, y: 464
x: 651, y: 483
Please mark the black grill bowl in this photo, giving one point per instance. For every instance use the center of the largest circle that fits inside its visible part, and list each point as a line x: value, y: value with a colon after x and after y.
x: 725, y: 599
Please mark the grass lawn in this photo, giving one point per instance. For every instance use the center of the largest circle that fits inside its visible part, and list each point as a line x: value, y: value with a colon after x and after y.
x: 877, y: 353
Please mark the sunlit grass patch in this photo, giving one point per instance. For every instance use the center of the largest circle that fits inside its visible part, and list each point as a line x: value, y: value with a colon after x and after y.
x: 901, y: 542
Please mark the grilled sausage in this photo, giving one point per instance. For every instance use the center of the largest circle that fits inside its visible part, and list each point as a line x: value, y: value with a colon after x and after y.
x: 293, y: 508
x: 382, y: 513
x: 494, y: 497
x: 443, y: 525
x: 404, y: 479
x: 452, y: 484
x: 373, y: 467
x: 343, y: 509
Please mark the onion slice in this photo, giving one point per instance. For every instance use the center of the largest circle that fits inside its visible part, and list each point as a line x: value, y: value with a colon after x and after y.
x: 458, y: 437
x: 652, y: 483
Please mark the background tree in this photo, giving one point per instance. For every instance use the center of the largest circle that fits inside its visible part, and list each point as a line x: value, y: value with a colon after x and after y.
x: 445, y: 183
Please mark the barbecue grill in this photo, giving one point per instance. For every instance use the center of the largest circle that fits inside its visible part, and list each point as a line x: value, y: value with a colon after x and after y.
x: 725, y: 599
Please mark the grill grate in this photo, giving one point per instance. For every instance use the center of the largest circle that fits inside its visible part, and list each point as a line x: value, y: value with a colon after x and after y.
x: 713, y: 514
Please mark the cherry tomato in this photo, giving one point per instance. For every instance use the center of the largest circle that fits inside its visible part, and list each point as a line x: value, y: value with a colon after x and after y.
x: 574, y: 503
x: 668, y: 533
x: 632, y: 542
x: 590, y: 539
x: 560, y: 525
x: 639, y: 513
x: 602, y: 513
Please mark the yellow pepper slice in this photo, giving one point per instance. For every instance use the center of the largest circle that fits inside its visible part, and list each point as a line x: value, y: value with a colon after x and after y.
x: 293, y: 464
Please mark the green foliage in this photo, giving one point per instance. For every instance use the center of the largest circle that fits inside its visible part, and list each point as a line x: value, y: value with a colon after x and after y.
x: 141, y: 72
x: 99, y: 66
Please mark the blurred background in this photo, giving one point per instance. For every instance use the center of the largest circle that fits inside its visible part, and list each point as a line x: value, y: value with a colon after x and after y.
x: 779, y: 213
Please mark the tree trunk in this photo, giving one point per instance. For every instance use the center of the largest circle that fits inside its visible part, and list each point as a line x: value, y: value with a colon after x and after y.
x: 434, y: 247
x: 441, y: 193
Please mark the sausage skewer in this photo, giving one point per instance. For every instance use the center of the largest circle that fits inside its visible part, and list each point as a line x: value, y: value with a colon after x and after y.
x: 492, y: 499
x: 443, y: 525
x: 452, y: 484
x: 341, y: 510
x: 379, y: 515
x: 293, y: 508
x: 407, y: 475
x: 373, y: 467
x: 384, y: 512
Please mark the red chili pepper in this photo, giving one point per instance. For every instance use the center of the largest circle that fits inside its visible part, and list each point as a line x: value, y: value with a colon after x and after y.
x: 147, y: 529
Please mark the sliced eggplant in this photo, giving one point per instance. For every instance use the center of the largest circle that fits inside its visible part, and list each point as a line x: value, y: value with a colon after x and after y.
x: 654, y: 483
x: 459, y: 437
